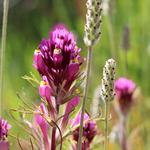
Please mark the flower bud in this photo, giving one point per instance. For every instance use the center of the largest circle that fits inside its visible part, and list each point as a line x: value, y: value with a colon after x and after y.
x: 45, y: 90
x: 38, y: 61
x: 57, y: 56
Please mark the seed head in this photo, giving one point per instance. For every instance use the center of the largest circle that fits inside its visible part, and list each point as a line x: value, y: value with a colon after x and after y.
x: 107, y: 91
x: 93, y: 21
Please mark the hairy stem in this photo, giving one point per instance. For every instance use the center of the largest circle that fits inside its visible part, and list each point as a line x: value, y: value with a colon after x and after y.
x: 53, y: 141
x: 2, y: 50
x: 106, y: 124
x: 89, y: 60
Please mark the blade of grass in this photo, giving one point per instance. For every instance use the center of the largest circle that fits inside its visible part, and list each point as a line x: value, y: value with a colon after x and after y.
x: 89, y: 61
x: 2, y: 50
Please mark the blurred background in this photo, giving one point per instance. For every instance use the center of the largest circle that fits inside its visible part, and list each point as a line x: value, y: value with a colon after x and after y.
x: 125, y: 37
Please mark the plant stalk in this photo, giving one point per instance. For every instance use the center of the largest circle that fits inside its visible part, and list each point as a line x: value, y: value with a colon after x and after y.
x: 123, y: 140
x: 106, y: 124
x: 2, y: 50
x: 88, y: 68
x: 126, y: 63
x: 53, y: 141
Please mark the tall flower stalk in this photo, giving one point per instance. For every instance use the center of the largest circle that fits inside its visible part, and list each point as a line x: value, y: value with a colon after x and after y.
x: 107, y: 92
x: 126, y: 45
x: 124, y: 89
x: 58, y: 62
x: 92, y: 35
x: 2, y: 50
x: 89, y: 60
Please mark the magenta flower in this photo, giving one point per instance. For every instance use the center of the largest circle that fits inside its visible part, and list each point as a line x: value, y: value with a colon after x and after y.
x: 58, y: 59
x: 58, y: 62
x: 124, y: 89
x: 89, y: 131
x: 4, y: 128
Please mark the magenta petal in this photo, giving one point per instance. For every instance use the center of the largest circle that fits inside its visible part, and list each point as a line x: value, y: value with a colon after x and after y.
x: 76, y: 121
x: 38, y: 61
x: 42, y: 124
x: 58, y: 59
x: 40, y: 120
x: 45, y: 90
x: 44, y: 128
x: 69, y: 108
x: 4, y: 145
x: 72, y: 104
x: 57, y: 56
x: 72, y: 70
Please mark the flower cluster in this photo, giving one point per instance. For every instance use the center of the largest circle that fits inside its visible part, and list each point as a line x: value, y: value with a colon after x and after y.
x: 124, y: 89
x: 93, y: 21
x: 107, y: 89
x: 4, y: 128
x: 89, y: 131
x: 58, y: 60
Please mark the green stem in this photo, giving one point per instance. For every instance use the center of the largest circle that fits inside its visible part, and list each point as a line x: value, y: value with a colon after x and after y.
x: 89, y: 60
x: 2, y: 50
x: 126, y: 63
x: 106, y: 124
x: 123, y: 139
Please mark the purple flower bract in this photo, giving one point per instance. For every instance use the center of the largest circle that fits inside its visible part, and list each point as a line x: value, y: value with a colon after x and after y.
x: 89, y: 130
x: 124, y: 89
x: 59, y: 60
x: 4, y: 127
